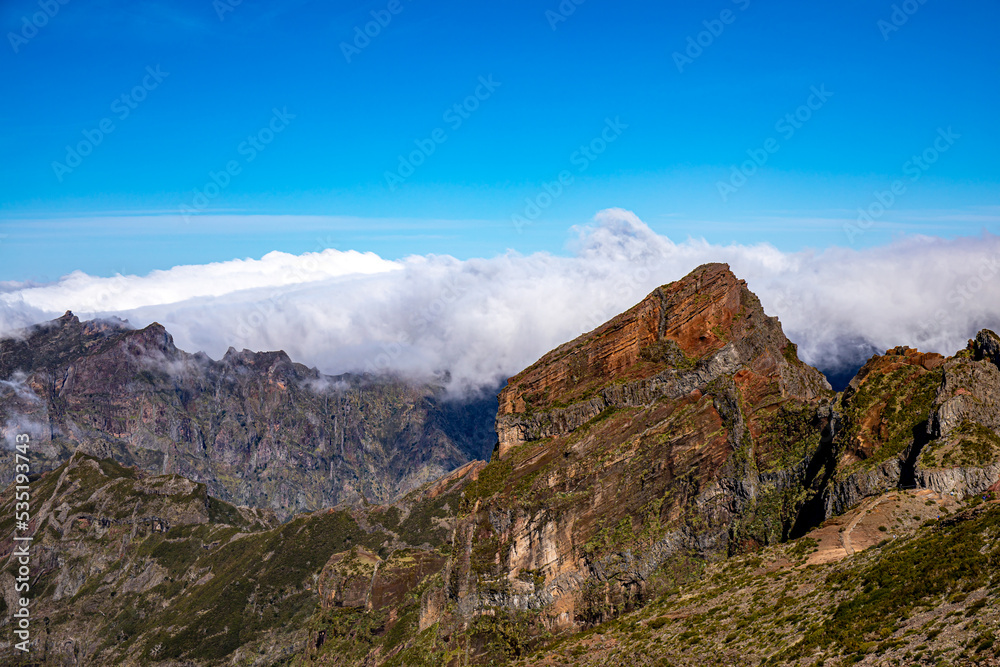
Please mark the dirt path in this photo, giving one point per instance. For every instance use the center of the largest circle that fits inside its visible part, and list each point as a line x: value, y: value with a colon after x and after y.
x: 875, y: 519
x: 863, y: 510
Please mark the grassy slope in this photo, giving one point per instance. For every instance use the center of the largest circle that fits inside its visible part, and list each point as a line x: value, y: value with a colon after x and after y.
x: 216, y: 582
x: 926, y: 598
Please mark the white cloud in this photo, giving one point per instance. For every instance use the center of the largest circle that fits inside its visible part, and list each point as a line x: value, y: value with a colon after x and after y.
x: 20, y: 404
x: 486, y: 319
x: 81, y: 292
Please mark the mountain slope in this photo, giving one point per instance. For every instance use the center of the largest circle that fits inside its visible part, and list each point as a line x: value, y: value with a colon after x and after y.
x: 674, y: 487
x: 919, y: 420
x: 927, y: 597
x: 134, y: 569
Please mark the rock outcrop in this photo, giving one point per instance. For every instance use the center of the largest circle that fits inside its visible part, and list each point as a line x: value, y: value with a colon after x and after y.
x: 685, y: 426
x: 680, y: 337
x: 919, y: 420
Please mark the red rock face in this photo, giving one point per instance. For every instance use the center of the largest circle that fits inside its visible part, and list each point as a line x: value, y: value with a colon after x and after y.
x: 642, y: 439
x: 902, y: 380
x: 671, y: 330
x: 697, y: 313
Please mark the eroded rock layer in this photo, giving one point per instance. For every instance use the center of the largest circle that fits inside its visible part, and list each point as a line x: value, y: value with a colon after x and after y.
x: 685, y: 426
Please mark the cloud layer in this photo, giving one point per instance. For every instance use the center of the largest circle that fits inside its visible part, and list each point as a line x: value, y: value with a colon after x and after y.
x: 483, y: 320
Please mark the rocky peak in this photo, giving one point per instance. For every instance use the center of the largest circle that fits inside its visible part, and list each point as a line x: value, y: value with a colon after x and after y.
x: 68, y: 319
x: 920, y: 419
x: 255, y: 427
x: 153, y: 338
x: 55, y: 342
x: 986, y: 346
x: 893, y: 360
x: 679, y: 338
x: 247, y: 357
x: 685, y: 424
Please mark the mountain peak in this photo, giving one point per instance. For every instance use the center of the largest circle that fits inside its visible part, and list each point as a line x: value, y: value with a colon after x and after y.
x: 156, y: 337
x: 247, y: 357
x: 677, y: 329
x: 986, y: 346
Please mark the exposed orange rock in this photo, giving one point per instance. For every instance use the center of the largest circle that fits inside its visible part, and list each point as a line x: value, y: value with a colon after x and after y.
x: 697, y: 313
x: 671, y: 330
x: 634, y: 442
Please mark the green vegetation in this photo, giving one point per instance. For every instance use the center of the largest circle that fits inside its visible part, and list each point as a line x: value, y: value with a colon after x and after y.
x: 766, y: 519
x: 667, y: 352
x: 507, y: 635
x: 761, y: 609
x: 788, y: 436
x: 791, y: 354
x: 961, y: 556
x: 271, y: 567
x: 971, y: 444
x: 897, y: 402
x: 216, y: 586
x: 802, y: 547
x: 492, y: 480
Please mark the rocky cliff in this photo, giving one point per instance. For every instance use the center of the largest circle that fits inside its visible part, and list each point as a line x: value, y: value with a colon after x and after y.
x: 129, y: 568
x: 919, y: 420
x: 255, y: 427
x: 684, y: 427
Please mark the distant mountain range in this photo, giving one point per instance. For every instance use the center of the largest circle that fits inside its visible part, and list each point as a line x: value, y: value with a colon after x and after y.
x: 255, y: 427
x: 675, y: 487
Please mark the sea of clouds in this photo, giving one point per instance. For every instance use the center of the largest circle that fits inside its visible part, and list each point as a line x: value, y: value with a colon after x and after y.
x: 482, y: 320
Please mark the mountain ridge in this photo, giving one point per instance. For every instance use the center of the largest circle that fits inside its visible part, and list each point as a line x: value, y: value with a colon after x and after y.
x: 660, y: 488
x: 257, y: 427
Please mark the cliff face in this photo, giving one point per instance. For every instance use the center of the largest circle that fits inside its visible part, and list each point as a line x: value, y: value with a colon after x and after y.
x: 684, y: 426
x: 680, y: 337
x: 257, y: 428
x: 920, y: 420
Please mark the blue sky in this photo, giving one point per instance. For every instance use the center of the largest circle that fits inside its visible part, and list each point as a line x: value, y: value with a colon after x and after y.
x: 329, y: 130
